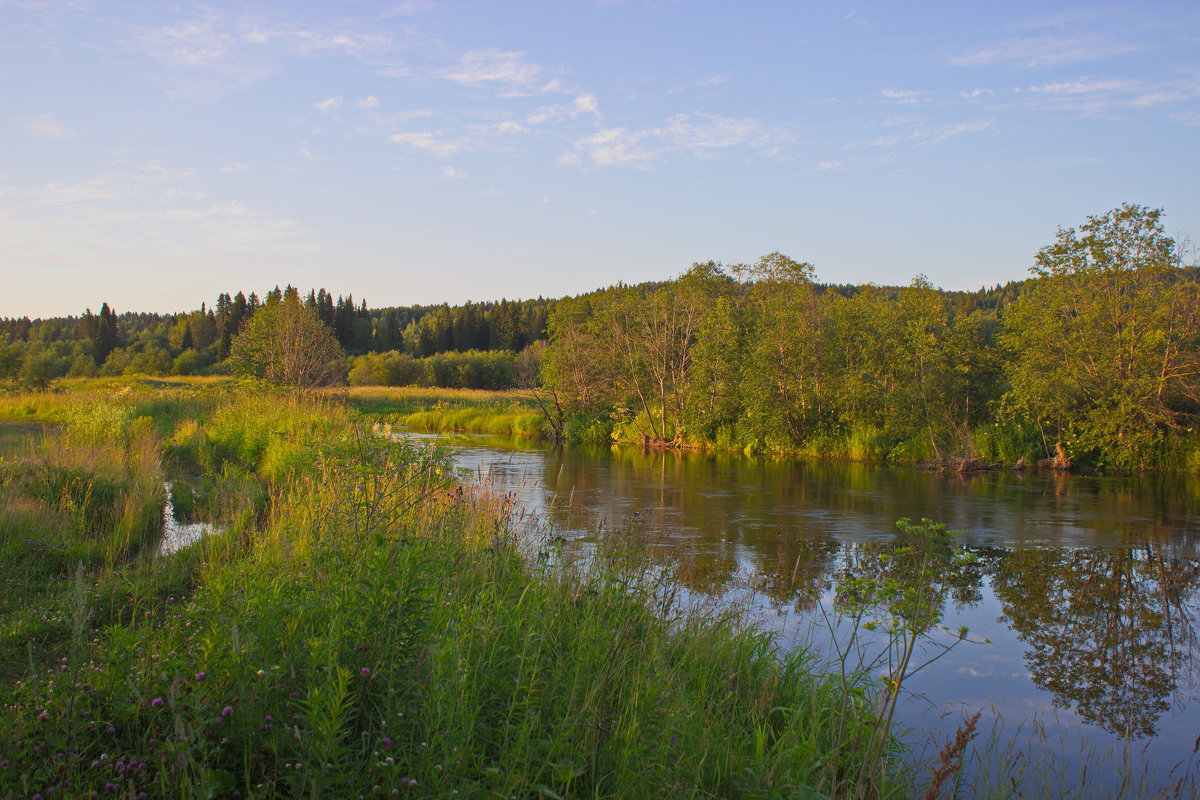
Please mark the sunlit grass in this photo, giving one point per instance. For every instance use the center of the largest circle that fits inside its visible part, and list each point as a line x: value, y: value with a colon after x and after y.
x: 370, y: 628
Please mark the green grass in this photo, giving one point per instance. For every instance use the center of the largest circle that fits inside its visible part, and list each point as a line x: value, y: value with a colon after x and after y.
x: 371, y: 628
x: 510, y: 413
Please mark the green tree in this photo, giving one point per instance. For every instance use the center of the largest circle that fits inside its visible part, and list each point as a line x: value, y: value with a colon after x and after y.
x: 784, y: 384
x: 1106, y: 344
x: 286, y: 344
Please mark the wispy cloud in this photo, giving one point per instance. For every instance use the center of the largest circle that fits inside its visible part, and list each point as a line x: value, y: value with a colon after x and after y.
x: 924, y: 136
x: 138, y: 212
x: 212, y: 52
x: 696, y: 135
x: 508, y: 71
x: 453, y: 172
x: 100, y: 188
x: 47, y: 126
x: 825, y: 166
x: 370, y: 101
x: 905, y: 96
x: 329, y: 104
x: 1100, y: 96
x: 1047, y: 50
x: 434, y: 143
x: 702, y: 83
x: 582, y: 104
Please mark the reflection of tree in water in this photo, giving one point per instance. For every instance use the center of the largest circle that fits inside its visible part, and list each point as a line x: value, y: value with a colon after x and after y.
x: 797, y: 571
x: 1108, y: 629
x: 927, y: 572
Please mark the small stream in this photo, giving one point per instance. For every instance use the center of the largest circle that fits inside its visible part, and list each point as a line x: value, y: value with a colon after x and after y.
x: 178, y: 534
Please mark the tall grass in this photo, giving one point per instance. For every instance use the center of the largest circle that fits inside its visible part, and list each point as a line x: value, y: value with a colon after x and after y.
x: 377, y: 631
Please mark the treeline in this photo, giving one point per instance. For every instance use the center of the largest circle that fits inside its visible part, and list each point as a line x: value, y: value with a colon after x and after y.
x: 1095, y: 360
x: 34, y: 352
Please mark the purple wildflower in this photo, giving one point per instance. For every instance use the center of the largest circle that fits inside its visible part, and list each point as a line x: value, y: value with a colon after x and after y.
x: 226, y: 711
x: 366, y: 671
x: 386, y: 741
x: 156, y: 702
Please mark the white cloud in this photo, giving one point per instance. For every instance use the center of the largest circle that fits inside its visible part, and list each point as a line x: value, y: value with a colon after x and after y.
x: 507, y: 70
x: 1083, y: 87
x: 100, y: 188
x: 905, y: 96
x: 370, y: 101
x: 47, y: 126
x: 922, y: 136
x: 155, y: 173
x: 132, y: 215
x: 971, y: 95
x: 425, y: 140
x: 697, y: 135
x: 585, y: 103
x: 213, y: 52
x: 825, y: 166
x: 453, y: 172
x: 328, y: 104
x: 1047, y: 51
x: 615, y: 147
x: 702, y: 83
x: 1099, y: 96
x: 239, y: 167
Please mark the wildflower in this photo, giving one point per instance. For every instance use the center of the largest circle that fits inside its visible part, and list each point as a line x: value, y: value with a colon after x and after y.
x: 43, y: 715
x: 156, y: 702
x: 386, y: 741
x: 366, y: 671
x: 201, y: 676
x: 226, y: 711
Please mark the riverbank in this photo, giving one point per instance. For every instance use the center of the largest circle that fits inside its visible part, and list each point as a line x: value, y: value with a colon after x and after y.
x: 362, y: 625
x: 517, y: 413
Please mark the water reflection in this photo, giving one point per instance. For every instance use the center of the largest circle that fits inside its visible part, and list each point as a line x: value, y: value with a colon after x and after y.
x: 1087, y: 585
x: 1108, y: 631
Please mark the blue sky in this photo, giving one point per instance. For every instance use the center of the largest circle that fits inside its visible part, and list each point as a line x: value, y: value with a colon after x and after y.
x: 153, y: 154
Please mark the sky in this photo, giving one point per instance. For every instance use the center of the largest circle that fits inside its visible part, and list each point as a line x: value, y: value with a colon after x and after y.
x: 154, y: 154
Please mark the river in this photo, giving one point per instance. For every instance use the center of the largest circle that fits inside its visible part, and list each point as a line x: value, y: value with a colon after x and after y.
x: 1079, y: 592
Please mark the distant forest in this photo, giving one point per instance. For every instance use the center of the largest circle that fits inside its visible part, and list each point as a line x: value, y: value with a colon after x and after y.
x: 1094, y: 360
x: 34, y: 352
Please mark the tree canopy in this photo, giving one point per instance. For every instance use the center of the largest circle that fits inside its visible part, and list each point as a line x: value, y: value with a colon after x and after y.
x: 286, y: 344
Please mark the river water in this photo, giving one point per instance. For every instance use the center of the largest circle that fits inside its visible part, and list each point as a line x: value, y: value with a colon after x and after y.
x: 1079, y: 592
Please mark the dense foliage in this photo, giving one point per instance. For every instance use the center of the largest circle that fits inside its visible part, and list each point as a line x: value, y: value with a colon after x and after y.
x: 1096, y: 359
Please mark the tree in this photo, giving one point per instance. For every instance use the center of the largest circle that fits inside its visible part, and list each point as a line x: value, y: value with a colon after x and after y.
x: 286, y: 344
x: 107, y: 334
x: 1106, y: 344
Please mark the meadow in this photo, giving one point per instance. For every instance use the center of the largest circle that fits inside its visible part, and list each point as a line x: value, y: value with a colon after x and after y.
x: 362, y: 624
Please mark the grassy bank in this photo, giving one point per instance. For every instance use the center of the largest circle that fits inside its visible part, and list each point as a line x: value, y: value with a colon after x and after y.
x: 362, y: 626
x: 511, y: 413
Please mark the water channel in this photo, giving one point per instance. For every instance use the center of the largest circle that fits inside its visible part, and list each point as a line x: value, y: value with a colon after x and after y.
x: 1084, y: 587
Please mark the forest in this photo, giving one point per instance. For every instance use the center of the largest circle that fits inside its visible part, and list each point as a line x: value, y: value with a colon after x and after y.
x: 1092, y: 361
